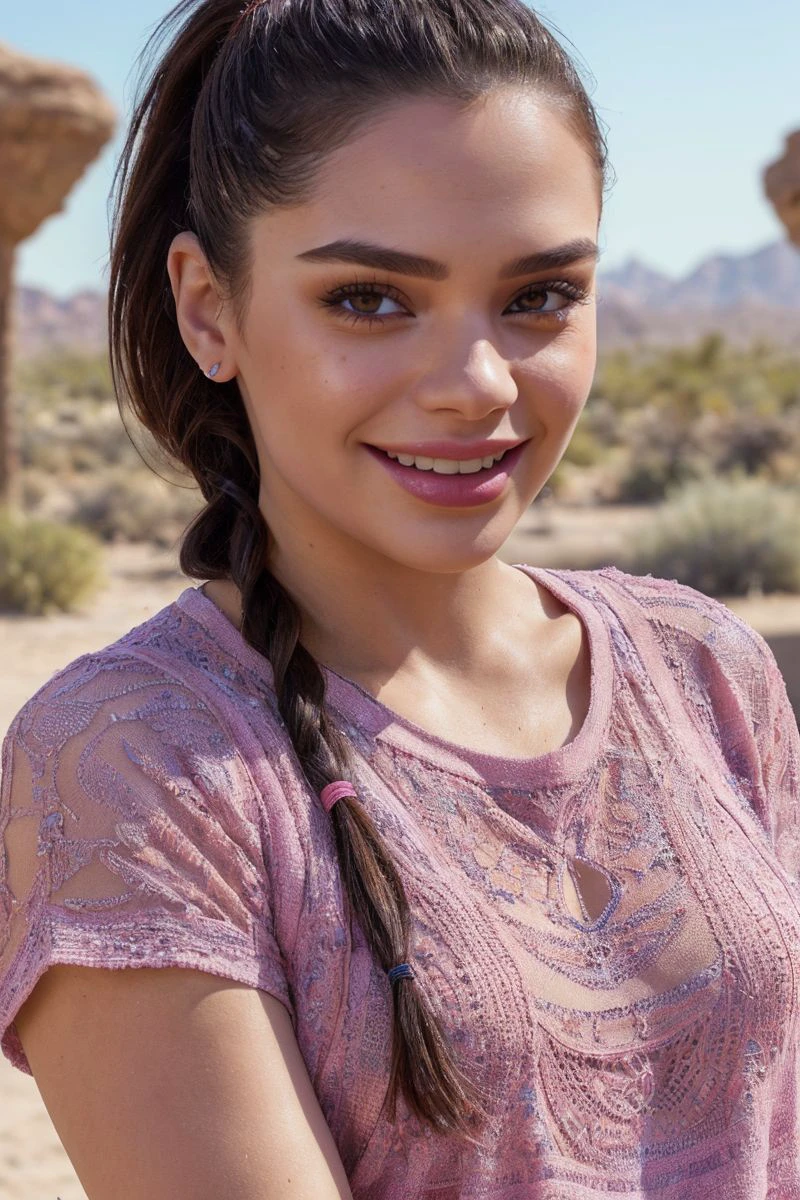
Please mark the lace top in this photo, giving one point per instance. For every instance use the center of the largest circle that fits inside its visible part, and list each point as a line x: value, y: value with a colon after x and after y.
x: 153, y: 813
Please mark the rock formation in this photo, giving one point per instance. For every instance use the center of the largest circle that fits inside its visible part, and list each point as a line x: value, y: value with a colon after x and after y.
x: 782, y: 185
x: 54, y: 120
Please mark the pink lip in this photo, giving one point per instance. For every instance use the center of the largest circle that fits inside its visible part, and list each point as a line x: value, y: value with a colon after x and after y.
x: 452, y: 491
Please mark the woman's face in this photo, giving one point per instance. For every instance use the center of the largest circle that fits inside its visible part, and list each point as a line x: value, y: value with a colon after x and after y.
x: 341, y: 360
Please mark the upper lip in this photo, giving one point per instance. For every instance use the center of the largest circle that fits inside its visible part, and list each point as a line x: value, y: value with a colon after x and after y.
x: 458, y: 451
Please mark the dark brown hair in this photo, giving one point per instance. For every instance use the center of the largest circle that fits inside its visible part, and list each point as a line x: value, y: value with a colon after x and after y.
x: 237, y: 116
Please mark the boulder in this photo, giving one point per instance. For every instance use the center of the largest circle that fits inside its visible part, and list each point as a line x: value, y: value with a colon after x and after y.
x: 782, y: 186
x: 54, y: 121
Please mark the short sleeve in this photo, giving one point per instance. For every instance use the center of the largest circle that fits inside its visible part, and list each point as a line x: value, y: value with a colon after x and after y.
x: 130, y: 836
x: 731, y: 680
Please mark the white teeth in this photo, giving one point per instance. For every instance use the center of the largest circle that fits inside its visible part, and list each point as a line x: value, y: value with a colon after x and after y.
x: 447, y: 466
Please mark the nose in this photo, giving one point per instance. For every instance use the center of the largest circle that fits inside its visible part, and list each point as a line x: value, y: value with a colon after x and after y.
x: 475, y: 388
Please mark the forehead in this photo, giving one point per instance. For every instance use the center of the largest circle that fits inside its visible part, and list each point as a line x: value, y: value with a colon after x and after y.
x: 508, y: 166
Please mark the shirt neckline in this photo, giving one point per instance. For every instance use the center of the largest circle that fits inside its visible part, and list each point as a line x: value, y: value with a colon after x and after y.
x: 367, y: 714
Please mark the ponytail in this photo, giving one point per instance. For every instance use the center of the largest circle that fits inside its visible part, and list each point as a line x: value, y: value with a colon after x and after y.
x: 236, y: 116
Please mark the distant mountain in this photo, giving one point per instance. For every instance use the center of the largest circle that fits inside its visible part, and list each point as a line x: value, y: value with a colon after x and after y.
x: 634, y: 284
x: 41, y: 322
x: 745, y: 297
x: 769, y: 276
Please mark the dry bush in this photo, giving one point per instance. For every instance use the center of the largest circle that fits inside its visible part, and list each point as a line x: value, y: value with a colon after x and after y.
x: 727, y: 536
x: 121, y: 505
x: 46, y: 567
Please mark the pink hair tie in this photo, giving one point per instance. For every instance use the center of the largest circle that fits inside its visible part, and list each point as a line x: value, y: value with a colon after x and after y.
x: 334, y: 791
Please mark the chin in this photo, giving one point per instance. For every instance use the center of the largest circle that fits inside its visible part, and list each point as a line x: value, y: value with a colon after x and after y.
x: 447, y: 553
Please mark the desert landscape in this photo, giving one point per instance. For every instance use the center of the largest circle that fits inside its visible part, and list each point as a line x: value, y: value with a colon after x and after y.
x: 666, y: 411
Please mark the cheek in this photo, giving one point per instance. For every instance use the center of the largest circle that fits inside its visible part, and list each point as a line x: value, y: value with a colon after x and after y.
x: 558, y: 380
x: 308, y: 426
x: 335, y: 385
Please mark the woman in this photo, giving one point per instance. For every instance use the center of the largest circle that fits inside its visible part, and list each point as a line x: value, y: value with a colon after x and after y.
x: 442, y: 877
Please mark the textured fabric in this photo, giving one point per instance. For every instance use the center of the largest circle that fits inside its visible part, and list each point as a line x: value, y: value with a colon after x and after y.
x: 153, y: 813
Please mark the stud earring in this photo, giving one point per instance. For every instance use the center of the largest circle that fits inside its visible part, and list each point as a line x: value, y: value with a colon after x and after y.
x: 212, y: 374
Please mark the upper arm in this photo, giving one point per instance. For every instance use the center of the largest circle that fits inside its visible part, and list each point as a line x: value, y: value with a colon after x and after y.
x: 140, y: 956
x: 169, y: 1083
x: 131, y: 835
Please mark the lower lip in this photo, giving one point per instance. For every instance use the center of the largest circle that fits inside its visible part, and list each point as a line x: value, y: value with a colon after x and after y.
x: 453, y: 491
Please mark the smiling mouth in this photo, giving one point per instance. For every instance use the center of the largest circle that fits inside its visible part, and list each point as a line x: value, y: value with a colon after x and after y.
x: 447, y: 466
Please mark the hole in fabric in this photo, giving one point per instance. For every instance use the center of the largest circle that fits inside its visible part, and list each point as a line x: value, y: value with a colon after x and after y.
x: 587, y: 890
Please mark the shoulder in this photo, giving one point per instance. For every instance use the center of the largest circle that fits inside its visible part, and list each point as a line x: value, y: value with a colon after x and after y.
x: 676, y: 612
x: 132, y: 833
x: 112, y: 730
x: 161, y: 722
x: 144, y: 649
x: 123, y: 761
x: 170, y: 663
x: 726, y: 669
x: 103, y: 685
x: 722, y: 664
x: 130, y: 720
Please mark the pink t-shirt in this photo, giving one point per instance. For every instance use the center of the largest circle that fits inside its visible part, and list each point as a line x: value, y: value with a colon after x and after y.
x: 153, y: 813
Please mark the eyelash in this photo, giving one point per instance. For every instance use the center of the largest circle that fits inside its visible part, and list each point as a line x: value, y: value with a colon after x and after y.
x: 574, y: 292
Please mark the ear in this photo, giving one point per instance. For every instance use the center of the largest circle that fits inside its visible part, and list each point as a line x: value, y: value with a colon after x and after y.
x: 198, y: 305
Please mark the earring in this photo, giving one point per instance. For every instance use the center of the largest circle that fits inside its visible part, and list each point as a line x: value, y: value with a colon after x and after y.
x: 212, y: 374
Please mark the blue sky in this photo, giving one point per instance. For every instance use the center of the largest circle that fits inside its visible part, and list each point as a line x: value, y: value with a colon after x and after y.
x: 697, y: 96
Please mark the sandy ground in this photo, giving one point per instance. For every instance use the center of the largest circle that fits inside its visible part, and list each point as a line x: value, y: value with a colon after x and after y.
x: 141, y: 581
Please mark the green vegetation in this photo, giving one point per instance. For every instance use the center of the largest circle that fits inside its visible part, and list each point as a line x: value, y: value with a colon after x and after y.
x: 64, y: 375
x: 46, y: 567
x: 81, y: 467
x: 664, y: 417
x: 724, y: 537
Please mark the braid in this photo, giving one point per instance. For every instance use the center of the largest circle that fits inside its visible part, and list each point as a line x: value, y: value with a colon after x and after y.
x: 422, y: 1065
x: 236, y: 117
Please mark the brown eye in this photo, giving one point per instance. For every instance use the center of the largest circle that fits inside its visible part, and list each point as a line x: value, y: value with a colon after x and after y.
x: 572, y: 293
x: 374, y: 294
x: 536, y: 298
x: 373, y: 298
x: 358, y: 292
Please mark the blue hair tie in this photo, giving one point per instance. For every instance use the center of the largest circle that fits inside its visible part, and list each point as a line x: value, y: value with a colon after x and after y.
x: 401, y: 971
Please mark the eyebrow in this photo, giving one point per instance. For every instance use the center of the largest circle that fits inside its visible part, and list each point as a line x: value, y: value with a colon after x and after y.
x: 367, y: 254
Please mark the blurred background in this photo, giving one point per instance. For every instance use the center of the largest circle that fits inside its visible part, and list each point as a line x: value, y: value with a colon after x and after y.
x: 685, y: 464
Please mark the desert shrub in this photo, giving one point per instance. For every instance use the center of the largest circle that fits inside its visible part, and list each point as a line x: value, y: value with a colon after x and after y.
x: 725, y: 536
x: 661, y: 454
x: 46, y: 567
x: 63, y: 374
x: 133, y: 506
x: 36, y: 488
x: 685, y: 412
x: 753, y: 441
x: 75, y: 436
x: 602, y: 421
